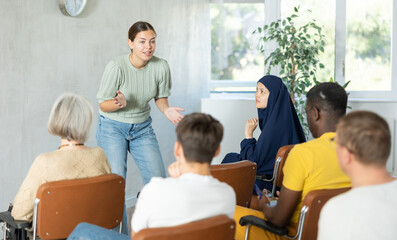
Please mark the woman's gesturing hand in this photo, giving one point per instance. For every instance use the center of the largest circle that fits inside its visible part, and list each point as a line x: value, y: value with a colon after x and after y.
x: 120, y: 100
x: 173, y: 114
x: 250, y: 127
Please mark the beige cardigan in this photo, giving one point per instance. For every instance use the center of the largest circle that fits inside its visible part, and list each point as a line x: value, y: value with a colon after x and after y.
x: 57, y: 165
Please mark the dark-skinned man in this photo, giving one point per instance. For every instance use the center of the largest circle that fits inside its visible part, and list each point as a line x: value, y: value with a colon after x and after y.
x: 310, y: 166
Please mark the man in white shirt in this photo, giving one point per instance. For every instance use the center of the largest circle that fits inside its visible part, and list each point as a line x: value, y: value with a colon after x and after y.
x: 190, y: 194
x: 369, y: 210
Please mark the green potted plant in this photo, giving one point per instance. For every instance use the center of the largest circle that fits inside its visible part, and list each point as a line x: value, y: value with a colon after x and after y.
x: 297, y: 55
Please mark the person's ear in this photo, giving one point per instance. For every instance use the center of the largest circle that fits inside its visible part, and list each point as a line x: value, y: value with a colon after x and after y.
x: 177, y: 149
x: 348, y: 157
x: 316, y: 113
x: 345, y: 158
x: 217, y: 151
x: 130, y: 44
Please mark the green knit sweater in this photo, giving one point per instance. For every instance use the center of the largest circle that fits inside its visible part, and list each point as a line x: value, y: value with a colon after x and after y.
x: 139, y: 86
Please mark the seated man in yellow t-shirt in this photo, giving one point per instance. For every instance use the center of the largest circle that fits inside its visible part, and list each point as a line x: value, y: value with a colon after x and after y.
x: 310, y: 166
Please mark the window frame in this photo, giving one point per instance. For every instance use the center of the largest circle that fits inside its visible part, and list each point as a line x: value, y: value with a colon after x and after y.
x: 236, y: 83
x: 236, y: 1
x: 340, y: 52
x: 273, y: 12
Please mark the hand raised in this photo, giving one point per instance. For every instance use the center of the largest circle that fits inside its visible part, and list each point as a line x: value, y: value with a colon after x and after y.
x: 250, y: 127
x: 173, y: 114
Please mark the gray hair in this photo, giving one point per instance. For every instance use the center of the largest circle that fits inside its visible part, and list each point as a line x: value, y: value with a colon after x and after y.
x: 71, y: 117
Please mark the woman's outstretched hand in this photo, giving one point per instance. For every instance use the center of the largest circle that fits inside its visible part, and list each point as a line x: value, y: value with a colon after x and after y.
x: 120, y: 100
x: 250, y: 127
x: 173, y: 114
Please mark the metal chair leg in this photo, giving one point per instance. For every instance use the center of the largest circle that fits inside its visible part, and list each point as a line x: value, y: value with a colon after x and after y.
x: 247, y: 231
x: 121, y: 227
x: 4, y: 230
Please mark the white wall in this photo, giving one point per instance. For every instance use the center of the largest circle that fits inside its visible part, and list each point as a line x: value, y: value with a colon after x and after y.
x: 44, y: 53
x: 233, y: 112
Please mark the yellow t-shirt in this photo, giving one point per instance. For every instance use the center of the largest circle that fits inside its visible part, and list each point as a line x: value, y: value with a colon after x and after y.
x: 313, y: 165
x: 310, y: 166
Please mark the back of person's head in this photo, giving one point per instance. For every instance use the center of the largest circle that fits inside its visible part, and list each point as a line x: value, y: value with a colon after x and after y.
x: 71, y: 117
x: 366, y: 135
x: 329, y: 97
x: 200, y: 136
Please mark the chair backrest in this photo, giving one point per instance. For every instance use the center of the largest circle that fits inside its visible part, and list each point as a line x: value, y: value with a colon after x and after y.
x: 215, y: 228
x: 64, y: 204
x: 282, y: 154
x: 314, y: 201
x: 240, y: 176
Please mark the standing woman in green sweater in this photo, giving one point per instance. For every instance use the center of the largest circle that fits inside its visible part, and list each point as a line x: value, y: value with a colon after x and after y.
x: 128, y: 83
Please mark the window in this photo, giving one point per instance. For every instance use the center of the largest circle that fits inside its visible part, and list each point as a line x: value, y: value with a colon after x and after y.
x: 235, y: 58
x: 324, y: 13
x: 365, y: 42
x: 360, y: 37
x: 368, y: 45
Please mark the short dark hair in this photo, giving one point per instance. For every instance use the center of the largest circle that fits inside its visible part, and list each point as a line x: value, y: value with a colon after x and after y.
x: 200, y: 135
x: 139, y: 27
x: 366, y: 135
x: 328, y: 96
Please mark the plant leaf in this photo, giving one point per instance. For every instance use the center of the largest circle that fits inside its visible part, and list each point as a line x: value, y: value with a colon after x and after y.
x: 346, y: 84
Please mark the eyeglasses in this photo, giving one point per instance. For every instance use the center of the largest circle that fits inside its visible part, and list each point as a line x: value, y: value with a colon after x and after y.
x: 334, y: 143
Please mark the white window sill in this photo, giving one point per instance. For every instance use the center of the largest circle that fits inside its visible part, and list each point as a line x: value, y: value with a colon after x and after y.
x: 251, y: 96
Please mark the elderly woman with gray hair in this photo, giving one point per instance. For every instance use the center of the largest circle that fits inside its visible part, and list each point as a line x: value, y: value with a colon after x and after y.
x: 70, y: 119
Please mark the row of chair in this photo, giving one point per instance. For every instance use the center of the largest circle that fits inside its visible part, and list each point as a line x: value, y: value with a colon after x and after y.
x: 61, y: 205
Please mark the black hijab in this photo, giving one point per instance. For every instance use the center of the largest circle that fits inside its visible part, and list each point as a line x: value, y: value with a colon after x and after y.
x: 278, y: 122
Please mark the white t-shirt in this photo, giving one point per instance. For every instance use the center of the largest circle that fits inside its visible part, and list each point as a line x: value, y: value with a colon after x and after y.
x: 368, y: 212
x: 165, y: 202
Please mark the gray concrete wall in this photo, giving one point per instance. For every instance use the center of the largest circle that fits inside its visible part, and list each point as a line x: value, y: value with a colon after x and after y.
x: 44, y: 53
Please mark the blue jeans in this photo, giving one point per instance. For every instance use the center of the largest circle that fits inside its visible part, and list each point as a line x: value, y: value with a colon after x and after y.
x: 117, y: 138
x: 86, y: 231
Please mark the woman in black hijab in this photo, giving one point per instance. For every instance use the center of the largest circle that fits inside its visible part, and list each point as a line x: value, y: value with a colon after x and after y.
x: 279, y: 125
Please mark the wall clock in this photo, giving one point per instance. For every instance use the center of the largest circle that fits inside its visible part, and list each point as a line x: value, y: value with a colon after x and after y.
x: 72, y: 7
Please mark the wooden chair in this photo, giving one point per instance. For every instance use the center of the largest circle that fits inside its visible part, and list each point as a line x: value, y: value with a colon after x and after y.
x: 278, y: 175
x: 240, y: 176
x: 215, y: 228
x: 61, y: 205
x: 308, y: 219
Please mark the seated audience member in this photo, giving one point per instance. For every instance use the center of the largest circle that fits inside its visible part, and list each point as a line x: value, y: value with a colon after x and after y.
x: 70, y: 119
x: 279, y: 125
x: 190, y: 194
x: 310, y: 166
x: 369, y: 210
